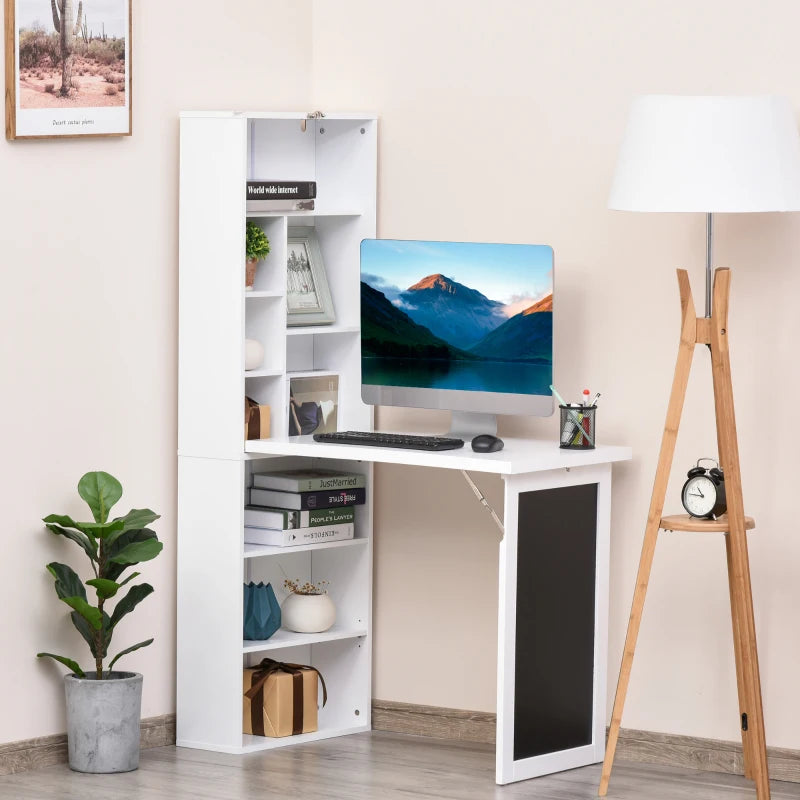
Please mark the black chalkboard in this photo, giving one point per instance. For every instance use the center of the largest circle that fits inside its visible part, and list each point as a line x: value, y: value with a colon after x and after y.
x: 555, y: 620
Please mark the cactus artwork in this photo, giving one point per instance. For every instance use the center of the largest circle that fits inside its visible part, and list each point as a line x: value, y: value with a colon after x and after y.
x: 68, y: 27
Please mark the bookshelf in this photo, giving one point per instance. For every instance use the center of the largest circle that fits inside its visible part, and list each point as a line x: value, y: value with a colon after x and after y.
x: 219, y: 152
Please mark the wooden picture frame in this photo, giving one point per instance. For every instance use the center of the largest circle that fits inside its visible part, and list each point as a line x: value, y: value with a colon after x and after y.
x: 308, y: 298
x: 91, y: 55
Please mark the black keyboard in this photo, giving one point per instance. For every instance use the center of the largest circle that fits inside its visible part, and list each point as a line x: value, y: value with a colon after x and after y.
x: 390, y: 440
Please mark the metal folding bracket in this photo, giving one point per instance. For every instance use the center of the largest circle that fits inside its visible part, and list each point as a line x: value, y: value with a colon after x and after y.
x: 484, y: 502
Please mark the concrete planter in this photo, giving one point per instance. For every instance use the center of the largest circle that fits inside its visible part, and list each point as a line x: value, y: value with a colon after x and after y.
x: 103, y: 719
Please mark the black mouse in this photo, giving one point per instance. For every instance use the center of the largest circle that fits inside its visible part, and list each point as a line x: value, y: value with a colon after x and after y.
x: 486, y: 443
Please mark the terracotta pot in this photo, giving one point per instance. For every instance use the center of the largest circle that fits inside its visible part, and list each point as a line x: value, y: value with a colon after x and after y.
x: 250, y: 273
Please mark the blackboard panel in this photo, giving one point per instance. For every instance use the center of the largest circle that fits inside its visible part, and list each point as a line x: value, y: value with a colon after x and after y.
x: 555, y: 620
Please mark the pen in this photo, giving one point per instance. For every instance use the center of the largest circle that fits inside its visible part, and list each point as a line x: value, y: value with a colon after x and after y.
x: 596, y: 398
x: 586, y: 394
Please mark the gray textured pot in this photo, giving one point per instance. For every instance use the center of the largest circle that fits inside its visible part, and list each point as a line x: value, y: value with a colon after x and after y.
x: 103, y: 719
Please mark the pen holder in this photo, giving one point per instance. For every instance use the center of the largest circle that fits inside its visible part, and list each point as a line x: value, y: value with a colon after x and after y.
x: 577, y: 427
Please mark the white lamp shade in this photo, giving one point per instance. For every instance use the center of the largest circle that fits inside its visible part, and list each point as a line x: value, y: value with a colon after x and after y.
x: 708, y: 154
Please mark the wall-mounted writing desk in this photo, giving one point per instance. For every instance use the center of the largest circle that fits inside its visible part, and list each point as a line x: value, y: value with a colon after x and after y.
x: 553, y: 591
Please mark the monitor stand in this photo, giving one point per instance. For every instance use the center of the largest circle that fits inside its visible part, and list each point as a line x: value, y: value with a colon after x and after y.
x: 468, y: 424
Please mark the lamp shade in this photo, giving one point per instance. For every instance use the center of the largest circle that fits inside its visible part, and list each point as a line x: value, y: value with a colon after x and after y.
x: 708, y: 154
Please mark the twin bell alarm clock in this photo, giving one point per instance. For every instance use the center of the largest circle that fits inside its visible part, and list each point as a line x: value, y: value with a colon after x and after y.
x: 703, y: 493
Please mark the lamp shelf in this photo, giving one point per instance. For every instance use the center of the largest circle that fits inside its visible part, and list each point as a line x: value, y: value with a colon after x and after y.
x: 684, y: 522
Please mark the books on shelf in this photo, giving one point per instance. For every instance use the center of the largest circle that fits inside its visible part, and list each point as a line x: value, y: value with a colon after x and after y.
x: 304, y: 501
x: 287, y: 519
x: 298, y: 536
x: 280, y: 205
x: 281, y: 190
x: 308, y: 480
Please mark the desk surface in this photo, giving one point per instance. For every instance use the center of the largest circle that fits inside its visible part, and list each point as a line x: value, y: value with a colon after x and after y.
x: 519, y: 456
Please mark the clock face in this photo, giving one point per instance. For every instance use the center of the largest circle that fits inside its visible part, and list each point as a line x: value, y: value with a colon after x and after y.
x: 699, y: 496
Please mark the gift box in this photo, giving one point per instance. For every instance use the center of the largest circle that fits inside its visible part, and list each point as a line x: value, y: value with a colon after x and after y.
x: 281, y: 699
x: 256, y: 420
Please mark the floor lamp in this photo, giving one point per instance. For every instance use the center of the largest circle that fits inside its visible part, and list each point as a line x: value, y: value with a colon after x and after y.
x: 707, y: 155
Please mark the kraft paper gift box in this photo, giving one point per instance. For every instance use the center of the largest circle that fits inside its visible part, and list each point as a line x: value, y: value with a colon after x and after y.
x: 281, y: 699
x: 256, y: 420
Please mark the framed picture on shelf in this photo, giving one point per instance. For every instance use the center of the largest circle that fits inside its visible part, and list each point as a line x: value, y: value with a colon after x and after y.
x: 67, y: 68
x: 308, y: 299
x: 313, y: 404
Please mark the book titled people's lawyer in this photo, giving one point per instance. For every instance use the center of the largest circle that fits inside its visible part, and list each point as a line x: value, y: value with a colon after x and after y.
x: 304, y: 501
x: 330, y: 533
x: 308, y: 480
x: 286, y: 519
x: 281, y: 190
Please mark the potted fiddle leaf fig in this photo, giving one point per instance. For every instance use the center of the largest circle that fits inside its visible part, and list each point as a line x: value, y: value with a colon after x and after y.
x: 256, y: 248
x: 103, y: 705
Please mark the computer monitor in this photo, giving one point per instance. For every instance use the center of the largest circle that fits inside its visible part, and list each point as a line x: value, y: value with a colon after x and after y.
x: 463, y: 326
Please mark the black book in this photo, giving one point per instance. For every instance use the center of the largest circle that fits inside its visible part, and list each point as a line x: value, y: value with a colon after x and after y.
x: 281, y: 190
x: 305, y: 501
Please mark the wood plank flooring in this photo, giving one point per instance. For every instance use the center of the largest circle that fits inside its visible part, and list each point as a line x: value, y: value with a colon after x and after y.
x: 385, y: 766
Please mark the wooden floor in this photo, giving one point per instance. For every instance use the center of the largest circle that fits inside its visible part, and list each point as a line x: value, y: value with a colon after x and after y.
x: 384, y: 766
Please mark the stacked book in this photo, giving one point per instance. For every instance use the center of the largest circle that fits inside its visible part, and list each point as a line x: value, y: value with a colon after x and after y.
x: 277, y: 196
x: 300, y: 506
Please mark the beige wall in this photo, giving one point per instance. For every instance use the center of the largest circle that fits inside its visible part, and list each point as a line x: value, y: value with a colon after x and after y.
x: 88, y: 328
x: 501, y: 121
x: 475, y: 101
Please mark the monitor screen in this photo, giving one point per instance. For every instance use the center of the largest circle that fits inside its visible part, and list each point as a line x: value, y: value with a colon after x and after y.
x: 457, y: 325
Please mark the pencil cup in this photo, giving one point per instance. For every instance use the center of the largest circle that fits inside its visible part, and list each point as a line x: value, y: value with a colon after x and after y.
x: 577, y: 427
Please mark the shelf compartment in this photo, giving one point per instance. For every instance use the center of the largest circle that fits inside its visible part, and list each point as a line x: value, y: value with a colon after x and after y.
x: 263, y: 373
x: 260, y: 550
x: 282, y: 638
x: 255, y: 744
x: 683, y: 522
x: 313, y: 330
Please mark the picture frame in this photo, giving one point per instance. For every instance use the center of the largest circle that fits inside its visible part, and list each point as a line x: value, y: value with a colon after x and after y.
x: 313, y: 403
x: 308, y: 298
x: 68, y: 80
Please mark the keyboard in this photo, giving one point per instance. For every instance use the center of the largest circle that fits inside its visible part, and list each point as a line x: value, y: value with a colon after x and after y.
x: 390, y: 440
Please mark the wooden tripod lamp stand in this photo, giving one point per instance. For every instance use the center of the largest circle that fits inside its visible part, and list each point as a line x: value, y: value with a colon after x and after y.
x: 707, y: 154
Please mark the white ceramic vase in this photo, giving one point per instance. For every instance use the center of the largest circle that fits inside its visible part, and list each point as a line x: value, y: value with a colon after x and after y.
x: 253, y: 354
x: 308, y: 613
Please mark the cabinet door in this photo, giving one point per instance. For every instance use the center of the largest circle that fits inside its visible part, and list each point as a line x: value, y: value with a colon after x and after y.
x: 211, y: 311
x: 553, y: 621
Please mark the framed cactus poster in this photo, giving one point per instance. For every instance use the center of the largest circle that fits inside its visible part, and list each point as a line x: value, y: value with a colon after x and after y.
x: 68, y: 68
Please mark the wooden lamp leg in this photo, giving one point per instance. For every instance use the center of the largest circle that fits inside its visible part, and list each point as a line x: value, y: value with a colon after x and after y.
x: 674, y: 410
x: 753, y: 737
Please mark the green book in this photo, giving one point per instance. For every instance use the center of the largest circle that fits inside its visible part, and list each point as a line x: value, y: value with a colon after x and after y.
x: 284, y: 519
x: 308, y: 480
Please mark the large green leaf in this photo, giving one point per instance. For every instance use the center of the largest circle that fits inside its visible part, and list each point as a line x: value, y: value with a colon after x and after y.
x: 105, y: 588
x: 138, y: 518
x: 128, y: 650
x: 138, y: 551
x: 100, y: 491
x: 67, y: 662
x: 100, y: 530
x: 135, y: 596
x: 88, y: 544
x: 112, y: 570
x: 68, y: 584
x: 91, y: 614
x: 89, y: 633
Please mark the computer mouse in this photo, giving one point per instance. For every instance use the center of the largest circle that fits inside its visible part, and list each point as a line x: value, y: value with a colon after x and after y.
x: 486, y: 443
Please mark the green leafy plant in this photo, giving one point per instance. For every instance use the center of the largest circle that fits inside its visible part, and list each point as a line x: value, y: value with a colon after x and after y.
x: 112, y: 546
x: 257, y: 244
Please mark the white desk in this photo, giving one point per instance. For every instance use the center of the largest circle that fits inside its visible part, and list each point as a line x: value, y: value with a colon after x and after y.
x: 553, y: 591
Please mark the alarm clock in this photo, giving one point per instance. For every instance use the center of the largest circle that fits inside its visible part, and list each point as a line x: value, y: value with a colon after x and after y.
x: 703, y: 493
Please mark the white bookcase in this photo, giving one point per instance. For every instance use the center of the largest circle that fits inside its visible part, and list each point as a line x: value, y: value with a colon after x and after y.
x: 219, y: 152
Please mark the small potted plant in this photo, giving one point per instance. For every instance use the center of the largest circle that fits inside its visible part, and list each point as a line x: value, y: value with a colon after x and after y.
x: 256, y: 248
x: 103, y: 706
x: 308, y: 607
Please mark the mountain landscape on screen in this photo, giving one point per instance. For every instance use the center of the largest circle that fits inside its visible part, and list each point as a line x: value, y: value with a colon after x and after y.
x: 438, y: 319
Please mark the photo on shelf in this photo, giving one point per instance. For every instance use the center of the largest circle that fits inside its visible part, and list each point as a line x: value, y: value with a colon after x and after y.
x: 313, y: 404
x: 308, y: 299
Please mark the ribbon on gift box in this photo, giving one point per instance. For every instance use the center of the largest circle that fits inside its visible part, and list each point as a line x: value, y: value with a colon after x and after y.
x: 255, y: 694
x: 256, y: 420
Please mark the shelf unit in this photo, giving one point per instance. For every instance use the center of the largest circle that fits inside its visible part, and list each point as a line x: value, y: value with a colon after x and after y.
x: 220, y: 151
